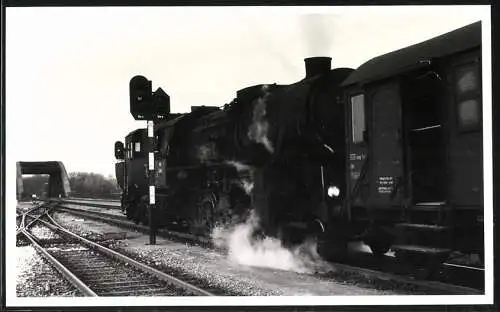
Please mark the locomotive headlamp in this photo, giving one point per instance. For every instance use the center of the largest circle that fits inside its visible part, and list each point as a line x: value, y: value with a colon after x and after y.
x: 333, y: 191
x: 119, y: 150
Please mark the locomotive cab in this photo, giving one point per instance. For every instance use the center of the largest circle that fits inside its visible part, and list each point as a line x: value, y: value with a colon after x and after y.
x: 131, y: 167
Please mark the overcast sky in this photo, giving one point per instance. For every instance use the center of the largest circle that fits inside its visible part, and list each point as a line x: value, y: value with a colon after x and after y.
x: 68, y: 69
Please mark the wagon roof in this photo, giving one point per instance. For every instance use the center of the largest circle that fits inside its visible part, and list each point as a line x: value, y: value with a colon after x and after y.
x: 412, y: 57
x: 137, y: 131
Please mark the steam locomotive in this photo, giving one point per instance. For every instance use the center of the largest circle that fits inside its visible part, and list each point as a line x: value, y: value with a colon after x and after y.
x: 389, y: 153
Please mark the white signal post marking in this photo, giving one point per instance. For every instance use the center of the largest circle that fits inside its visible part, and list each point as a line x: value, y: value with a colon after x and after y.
x: 150, y: 128
x: 151, y: 194
x: 151, y: 161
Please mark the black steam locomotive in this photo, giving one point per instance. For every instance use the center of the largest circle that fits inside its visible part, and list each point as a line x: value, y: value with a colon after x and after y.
x: 390, y: 153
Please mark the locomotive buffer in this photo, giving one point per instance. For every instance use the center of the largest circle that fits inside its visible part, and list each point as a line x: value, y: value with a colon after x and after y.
x: 149, y: 106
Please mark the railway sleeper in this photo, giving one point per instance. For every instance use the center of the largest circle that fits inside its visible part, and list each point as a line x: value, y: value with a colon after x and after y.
x: 85, y: 273
x: 114, y: 275
x: 87, y: 259
x: 108, y: 279
x: 100, y: 264
x: 122, y: 282
x: 134, y: 292
x: 120, y: 287
x: 111, y: 273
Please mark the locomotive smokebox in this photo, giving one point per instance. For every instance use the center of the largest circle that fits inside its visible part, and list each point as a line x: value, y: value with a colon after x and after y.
x: 317, y: 66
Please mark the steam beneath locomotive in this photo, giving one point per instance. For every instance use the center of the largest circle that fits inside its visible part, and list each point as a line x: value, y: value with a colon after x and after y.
x: 246, y: 248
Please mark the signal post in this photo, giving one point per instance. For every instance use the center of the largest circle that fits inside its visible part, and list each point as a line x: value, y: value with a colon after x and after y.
x: 149, y: 106
x: 151, y: 171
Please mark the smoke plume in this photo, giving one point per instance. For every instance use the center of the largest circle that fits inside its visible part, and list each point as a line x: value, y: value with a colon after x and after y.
x: 247, y: 249
x: 257, y: 131
x: 317, y: 33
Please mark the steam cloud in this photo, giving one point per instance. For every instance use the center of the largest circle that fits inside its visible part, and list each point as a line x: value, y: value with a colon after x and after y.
x: 206, y: 152
x: 245, y: 175
x: 257, y: 131
x: 316, y: 33
x: 239, y: 166
x: 245, y: 249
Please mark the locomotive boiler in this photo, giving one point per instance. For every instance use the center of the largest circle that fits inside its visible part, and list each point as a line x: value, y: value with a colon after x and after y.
x: 214, y: 164
x: 389, y: 153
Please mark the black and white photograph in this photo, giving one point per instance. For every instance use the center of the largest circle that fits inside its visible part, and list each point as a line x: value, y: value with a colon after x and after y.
x: 246, y: 156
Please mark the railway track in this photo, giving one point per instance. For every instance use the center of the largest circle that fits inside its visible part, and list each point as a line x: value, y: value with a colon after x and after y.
x: 96, y: 270
x: 27, y: 218
x: 121, y: 220
x: 380, y: 270
x: 109, y: 204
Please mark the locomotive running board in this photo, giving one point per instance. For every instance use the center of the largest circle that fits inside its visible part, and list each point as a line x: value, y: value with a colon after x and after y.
x: 441, y: 203
x: 421, y: 249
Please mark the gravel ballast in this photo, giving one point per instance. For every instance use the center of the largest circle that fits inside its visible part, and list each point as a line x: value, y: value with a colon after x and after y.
x: 36, y: 278
x: 43, y: 233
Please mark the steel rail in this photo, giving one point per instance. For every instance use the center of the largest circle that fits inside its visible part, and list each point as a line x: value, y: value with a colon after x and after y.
x: 37, y: 206
x: 145, y: 268
x: 67, y: 274
x: 88, y: 203
x: 38, y: 217
x: 27, y: 214
x: 468, y: 267
x: 62, y: 207
x: 116, y: 199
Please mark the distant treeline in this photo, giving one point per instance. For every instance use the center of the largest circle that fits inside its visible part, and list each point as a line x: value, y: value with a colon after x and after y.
x: 83, y: 184
x: 87, y: 184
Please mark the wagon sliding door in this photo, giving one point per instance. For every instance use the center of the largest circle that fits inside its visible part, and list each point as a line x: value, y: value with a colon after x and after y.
x: 386, y: 159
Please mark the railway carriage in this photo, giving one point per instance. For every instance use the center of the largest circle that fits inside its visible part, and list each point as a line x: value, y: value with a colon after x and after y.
x: 414, y: 145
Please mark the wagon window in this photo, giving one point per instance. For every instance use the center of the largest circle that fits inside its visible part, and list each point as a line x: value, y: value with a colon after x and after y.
x: 137, y: 146
x: 467, y: 79
x: 467, y: 82
x: 468, y: 113
x: 468, y: 96
x: 358, y: 117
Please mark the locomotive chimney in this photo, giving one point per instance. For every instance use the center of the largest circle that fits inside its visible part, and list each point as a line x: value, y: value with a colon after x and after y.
x: 317, y: 65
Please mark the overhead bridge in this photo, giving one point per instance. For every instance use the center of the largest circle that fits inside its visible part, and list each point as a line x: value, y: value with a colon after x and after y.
x: 58, y: 177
